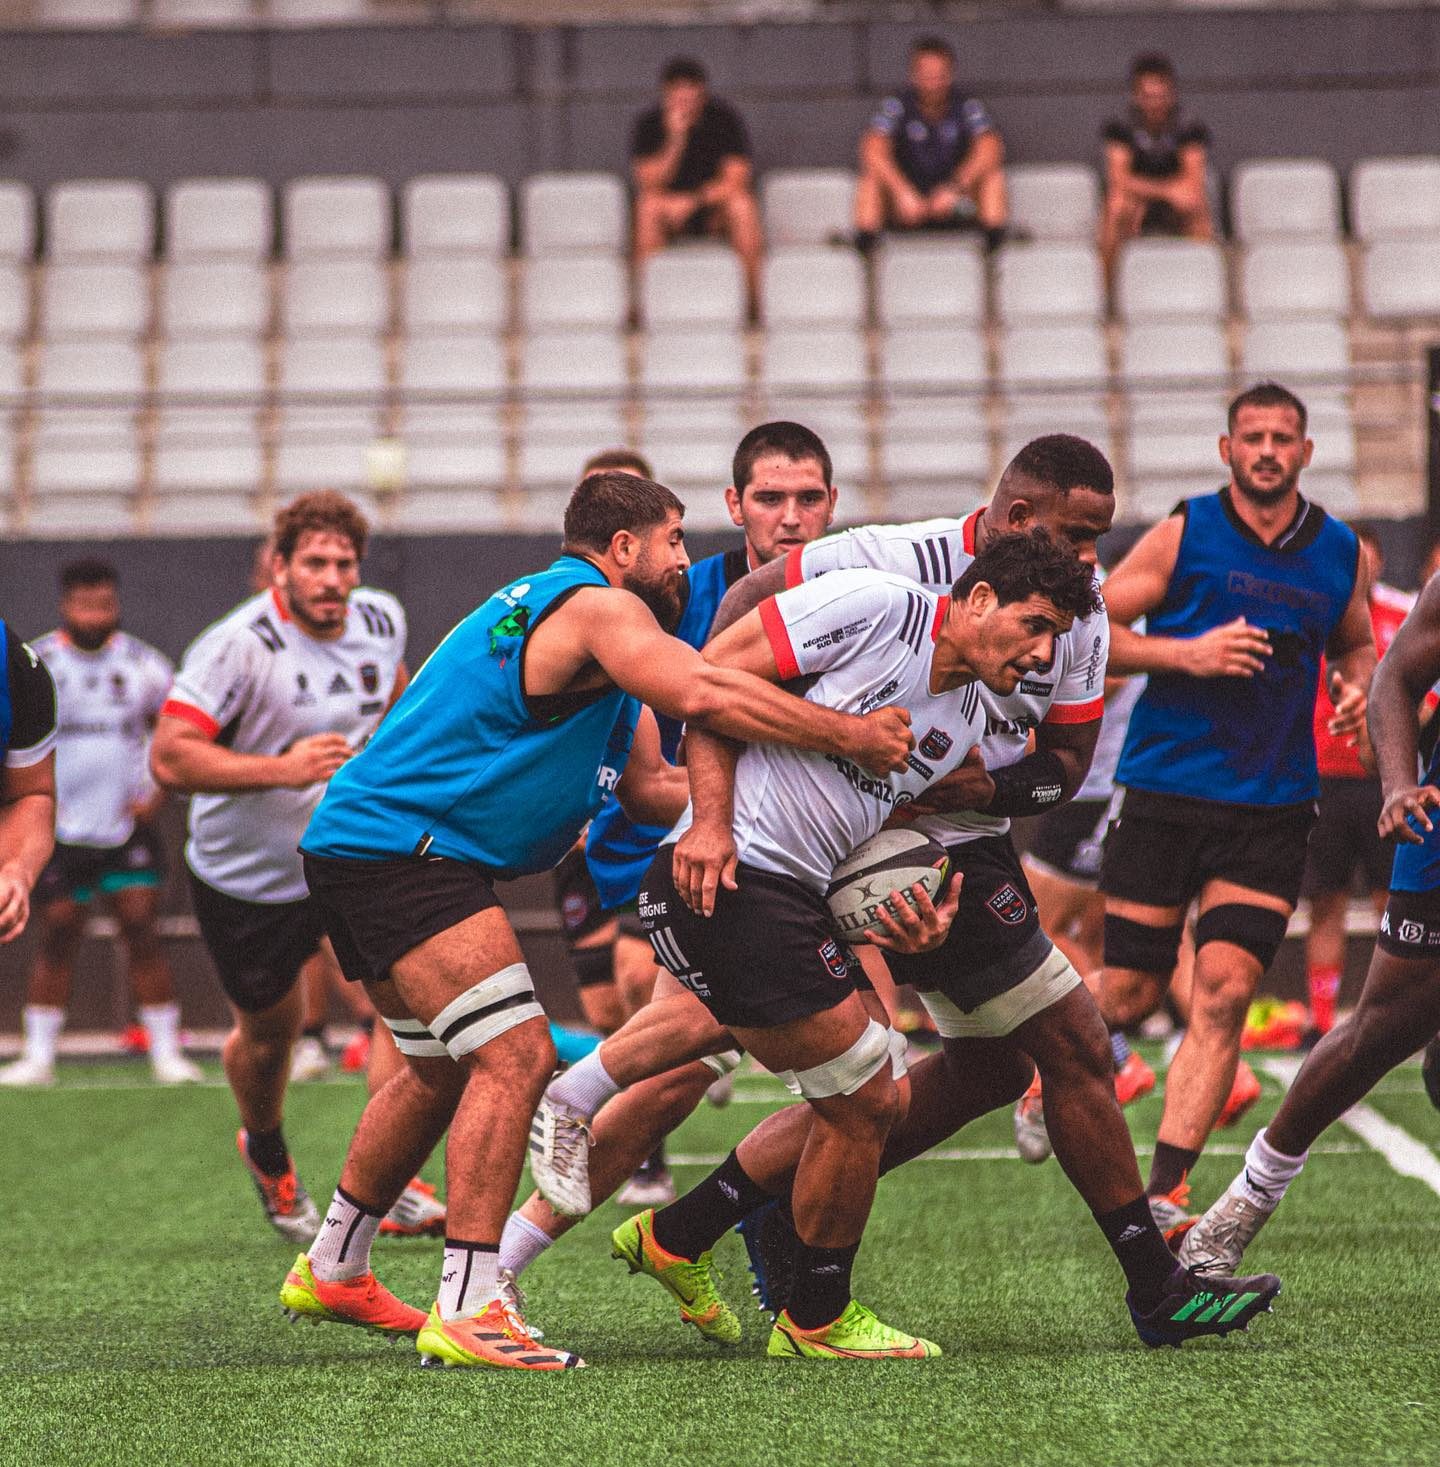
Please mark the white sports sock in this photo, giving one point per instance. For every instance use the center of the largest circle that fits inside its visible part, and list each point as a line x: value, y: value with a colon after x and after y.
x: 42, y: 1032
x: 521, y: 1244
x: 1267, y: 1173
x: 585, y: 1085
x: 467, y: 1279
x: 162, y: 1025
x: 341, y: 1249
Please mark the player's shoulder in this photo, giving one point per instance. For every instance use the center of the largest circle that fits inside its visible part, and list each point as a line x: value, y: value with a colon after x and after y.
x: 47, y: 645
x: 377, y: 613
x: 255, y: 625
x: 133, y: 649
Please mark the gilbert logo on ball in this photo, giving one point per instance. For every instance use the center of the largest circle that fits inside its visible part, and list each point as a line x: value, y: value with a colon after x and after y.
x: 892, y: 861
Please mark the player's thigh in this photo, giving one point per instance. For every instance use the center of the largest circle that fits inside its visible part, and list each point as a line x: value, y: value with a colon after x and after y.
x: 436, y: 972
x: 136, y: 907
x: 431, y: 1061
x: 272, y: 1023
x: 1059, y: 900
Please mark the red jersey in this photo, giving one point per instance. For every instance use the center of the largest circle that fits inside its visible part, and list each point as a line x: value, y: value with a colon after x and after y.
x: 1336, y: 756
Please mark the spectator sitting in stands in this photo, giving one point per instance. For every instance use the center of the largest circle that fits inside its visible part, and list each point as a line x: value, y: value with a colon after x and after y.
x: 690, y: 160
x: 1154, y: 165
x: 931, y: 157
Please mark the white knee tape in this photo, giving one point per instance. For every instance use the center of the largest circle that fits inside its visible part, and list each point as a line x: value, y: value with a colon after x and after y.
x: 724, y: 1063
x: 487, y: 1011
x: 412, y: 1037
x: 847, y: 1072
x: 899, y: 1051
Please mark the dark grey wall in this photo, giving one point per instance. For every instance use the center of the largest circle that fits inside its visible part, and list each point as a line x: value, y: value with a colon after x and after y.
x: 406, y: 100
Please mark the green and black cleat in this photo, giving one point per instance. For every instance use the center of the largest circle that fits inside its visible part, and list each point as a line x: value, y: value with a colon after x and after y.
x: 1197, y: 1303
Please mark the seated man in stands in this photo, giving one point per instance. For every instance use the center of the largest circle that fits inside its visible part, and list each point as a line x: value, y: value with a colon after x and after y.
x: 690, y: 161
x: 1154, y: 164
x: 931, y: 157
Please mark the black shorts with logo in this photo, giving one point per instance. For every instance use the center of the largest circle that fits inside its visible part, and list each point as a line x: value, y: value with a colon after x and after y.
x: 995, y: 941
x: 1160, y: 850
x: 378, y: 910
x: 79, y: 873
x: 258, y: 948
x: 576, y: 899
x: 1410, y: 926
x: 1346, y: 839
x: 768, y: 955
x: 1068, y: 840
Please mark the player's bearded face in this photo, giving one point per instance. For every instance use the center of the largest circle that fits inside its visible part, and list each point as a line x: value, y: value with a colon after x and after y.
x: 317, y: 579
x: 657, y: 573
x: 1267, y: 452
x: 90, y: 615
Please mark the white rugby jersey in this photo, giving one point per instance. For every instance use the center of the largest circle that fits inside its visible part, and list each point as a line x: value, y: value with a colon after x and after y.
x: 936, y: 553
x: 107, y: 702
x: 256, y: 683
x: 867, y: 640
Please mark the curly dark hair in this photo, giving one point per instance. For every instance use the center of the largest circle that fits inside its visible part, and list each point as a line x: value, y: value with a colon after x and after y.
x: 1020, y: 565
x: 324, y: 510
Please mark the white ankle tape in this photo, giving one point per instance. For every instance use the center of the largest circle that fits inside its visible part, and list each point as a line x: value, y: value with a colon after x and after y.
x: 486, y: 1011
x: 724, y: 1063
x: 899, y: 1051
x: 412, y: 1037
x: 847, y: 1072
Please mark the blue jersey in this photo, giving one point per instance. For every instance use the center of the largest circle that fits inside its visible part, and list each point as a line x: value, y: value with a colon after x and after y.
x: 1417, y: 868
x: 617, y: 851
x: 466, y: 765
x: 1242, y: 740
x: 27, y: 704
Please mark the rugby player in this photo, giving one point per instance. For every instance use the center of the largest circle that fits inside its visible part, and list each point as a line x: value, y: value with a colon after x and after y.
x: 1399, y: 1006
x: 1242, y: 592
x: 269, y: 702
x: 513, y: 732
x: 760, y: 952
x: 110, y: 687
x: 28, y: 730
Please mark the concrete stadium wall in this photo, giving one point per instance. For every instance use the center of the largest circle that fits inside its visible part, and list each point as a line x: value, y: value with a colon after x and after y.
x: 405, y: 100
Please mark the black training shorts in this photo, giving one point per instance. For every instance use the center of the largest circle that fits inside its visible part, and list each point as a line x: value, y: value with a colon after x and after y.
x: 576, y: 899
x: 1161, y: 850
x: 1410, y: 926
x: 377, y: 911
x: 768, y: 955
x: 258, y: 948
x: 1068, y: 839
x: 80, y: 873
x: 1346, y: 839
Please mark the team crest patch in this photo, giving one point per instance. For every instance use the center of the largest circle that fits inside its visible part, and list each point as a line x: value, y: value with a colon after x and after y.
x: 370, y: 677
x: 833, y: 958
x: 1008, y: 905
x: 936, y: 744
x: 511, y: 625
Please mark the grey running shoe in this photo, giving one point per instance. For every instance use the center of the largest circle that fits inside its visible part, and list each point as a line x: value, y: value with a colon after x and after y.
x: 1032, y: 1140
x: 560, y: 1156
x: 1219, y: 1239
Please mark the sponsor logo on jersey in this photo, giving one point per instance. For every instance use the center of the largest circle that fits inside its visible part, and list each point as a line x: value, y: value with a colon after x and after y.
x: 1277, y: 593
x: 1036, y: 689
x: 117, y: 687
x: 607, y: 777
x: 936, y: 744
x: 833, y: 958
x: 1008, y: 905
x: 1016, y: 727
x: 866, y: 784
x: 836, y: 634
x: 920, y: 767
x: 375, y: 705
x: 1412, y: 932
x: 338, y: 685
x: 1093, y: 668
x: 303, y: 696
x: 369, y: 677
x: 873, y: 700
x: 510, y: 626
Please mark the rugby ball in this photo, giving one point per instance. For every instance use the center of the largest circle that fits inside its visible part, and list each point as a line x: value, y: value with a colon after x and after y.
x: 893, y: 860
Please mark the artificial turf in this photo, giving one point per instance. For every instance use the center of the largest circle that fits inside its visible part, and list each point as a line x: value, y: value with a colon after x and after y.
x: 141, y: 1323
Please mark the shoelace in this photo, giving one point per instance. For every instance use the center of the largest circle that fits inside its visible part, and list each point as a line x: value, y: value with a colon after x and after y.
x: 515, y: 1327
x: 511, y: 1295
x: 570, y: 1132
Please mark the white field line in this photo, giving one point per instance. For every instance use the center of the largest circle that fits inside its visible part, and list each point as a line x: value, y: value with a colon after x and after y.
x: 1406, y: 1155
x: 1008, y: 1153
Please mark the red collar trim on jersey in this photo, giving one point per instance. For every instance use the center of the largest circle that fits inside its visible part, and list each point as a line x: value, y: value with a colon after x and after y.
x: 280, y: 608
x: 794, y: 567
x: 941, y: 607
x: 967, y: 532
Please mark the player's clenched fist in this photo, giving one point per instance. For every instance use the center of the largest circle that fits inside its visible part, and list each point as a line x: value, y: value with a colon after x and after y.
x: 1395, y: 817
x: 315, y: 758
x: 1236, y: 649
x: 884, y: 741
x: 14, y: 903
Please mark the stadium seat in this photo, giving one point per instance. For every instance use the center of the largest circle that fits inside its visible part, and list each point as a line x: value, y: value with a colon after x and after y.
x: 1392, y: 197
x: 344, y: 296
x: 1336, y: 493
x: 80, y: 515
x: 317, y: 12
x: 684, y: 361
x: 63, y: 462
x: 184, y: 508
x: 902, y: 500
x: 1285, y: 199
x: 343, y: 215
x: 449, y: 511
x: 564, y: 213
x: 215, y: 298
x: 1295, y: 278
x: 451, y: 441
x: 219, y: 217
x: 14, y: 300
x: 1177, y: 379
x: 87, y: 14
x: 1163, y: 279
x: 558, y: 291
x: 578, y: 361
x: 455, y: 214
x: 349, y: 371
x: 1289, y: 351
x: 943, y: 439
x: 693, y: 286
x: 814, y: 356
x: 451, y: 294
x: 102, y: 219
x: 1054, y: 201
x: 916, y: 357
x: 195, y: 13
x: 229, y: 373
x: 1401, y: 277
x: 814, y: 285
x: 1049, y: 282
x: 17, y: 221
x: 1162, y: 354
x: 806, y: 206
x: 1053, y: 377
x: 93, y: 300
x: 109, y: 374
x: 692, y: 382
x: 931, y: 284
x: 573, y: 378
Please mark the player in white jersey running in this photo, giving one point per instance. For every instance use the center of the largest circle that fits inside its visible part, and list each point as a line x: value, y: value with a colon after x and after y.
x: 27, y: 778
x: 760, y: 953
x: 267, y: 705
x: 109, y: 686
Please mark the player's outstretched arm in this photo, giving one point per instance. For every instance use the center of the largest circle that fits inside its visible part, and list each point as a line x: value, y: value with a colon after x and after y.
x: 747, y: 593
x: 619, y: 632
x: 185, y: 757
x: 1350, y: 661
x: 1137, y: 586
x: 652, y: 791
x: 27, y: 837
x: 705, y: 855
x: 1406, y: 672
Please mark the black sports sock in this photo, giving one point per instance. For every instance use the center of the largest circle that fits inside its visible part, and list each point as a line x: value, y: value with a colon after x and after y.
x: 1169, y: 1167
x: 314, y: 1031
x: 696, y: 1221
x: 368, y: 1024
x: 655, y: 1162
x: 268, y: 1151
x: 822, y: 1285
x: 1139, y: 1249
